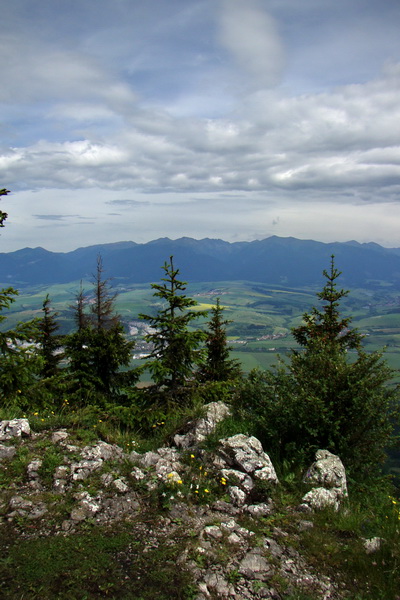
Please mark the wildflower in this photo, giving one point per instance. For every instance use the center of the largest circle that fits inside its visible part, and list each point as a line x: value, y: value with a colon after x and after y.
x: 206, y: 491
x: 100, y: 421
x: 170, y: 475
x: 192, y: 456
x: 179, y: 481
x: 36, y: 414
x: 196, y: 491
x: 223, y: 481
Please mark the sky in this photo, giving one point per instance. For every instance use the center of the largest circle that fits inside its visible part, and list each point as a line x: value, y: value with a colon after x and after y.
x: 232, y: 119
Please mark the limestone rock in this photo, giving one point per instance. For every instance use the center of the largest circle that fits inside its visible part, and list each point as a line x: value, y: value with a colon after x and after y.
x: 246, y: 454
x: 327, y: 471
x: 372, y: 545
x: 321, y: 498
x: 59, y: 436
x: 14, y: 428
x: 198, y: 430
x: 7, y: 452
x: 255, y: 566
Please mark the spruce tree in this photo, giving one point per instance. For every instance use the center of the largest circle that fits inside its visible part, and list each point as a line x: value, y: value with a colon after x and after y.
x: 18, y: 361
x: 49, y: 341
x: 98, y: 349
x: 176, y: 348
x: 331, y: 394
x: 218, y: 366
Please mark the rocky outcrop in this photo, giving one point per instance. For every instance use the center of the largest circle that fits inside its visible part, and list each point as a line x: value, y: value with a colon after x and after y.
x: 198, y: 430
x: 328, y: 477
x: 100, y: 484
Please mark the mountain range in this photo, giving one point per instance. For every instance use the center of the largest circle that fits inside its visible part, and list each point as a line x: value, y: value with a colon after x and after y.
x: 274, y: 260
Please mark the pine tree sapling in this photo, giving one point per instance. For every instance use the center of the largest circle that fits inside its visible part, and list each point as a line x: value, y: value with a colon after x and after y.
x: 176, y: 348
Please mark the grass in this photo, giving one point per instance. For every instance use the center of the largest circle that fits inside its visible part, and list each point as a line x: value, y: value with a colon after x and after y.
x: 100, y: 563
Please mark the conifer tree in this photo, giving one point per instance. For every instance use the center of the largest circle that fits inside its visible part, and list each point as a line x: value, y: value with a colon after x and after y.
x: 218, y: 366
x: 98, y: 348
x: 3, y: 215
x: 18, y: 362
x: 176, y: 348
x: 49, y: 341
x: 332, y: 394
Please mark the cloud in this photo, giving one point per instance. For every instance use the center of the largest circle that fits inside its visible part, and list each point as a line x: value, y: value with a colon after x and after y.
x: 251, y: 36
x: 347, y: 138
x: 200, y: 118
x: 126, y: 203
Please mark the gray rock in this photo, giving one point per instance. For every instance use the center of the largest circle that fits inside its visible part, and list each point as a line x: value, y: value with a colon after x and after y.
x: 137, y: 474
x: 121, y: 486
x: 327, y: 471
x: 321, y: 498
x: 237, y: 496
x: 247, y: 454
x: 102, y: 451
x: 215, y: 412
x: 216, y: 583
x: 7, y: 452
x: 38, y: 511
x: 14, y: 428
x: 255, y: 566
x: 259, y: 510
x: 213, y: 532
x: 372, y: 545
x: 59, y: 436
x: 19, y: 503
x: 241, y: 478
x: 33, y: 468
x: 81, y: 470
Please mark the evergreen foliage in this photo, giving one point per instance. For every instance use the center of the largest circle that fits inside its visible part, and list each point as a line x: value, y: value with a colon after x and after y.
x: 176, y: 348
x: 19, y: 366
x: 49, y: 341
x: 217, y: 365
x: 3, y: 215
x: 331, y: 395
x: 98, y: 349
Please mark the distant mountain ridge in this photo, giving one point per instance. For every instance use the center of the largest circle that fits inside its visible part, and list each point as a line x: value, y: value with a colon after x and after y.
x: 274, y: 260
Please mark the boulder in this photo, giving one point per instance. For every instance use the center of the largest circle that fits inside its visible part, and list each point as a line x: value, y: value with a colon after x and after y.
x: 328, y: 476
x: 199, y: 429
x: 328, y: 472
x: 246, y: 454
